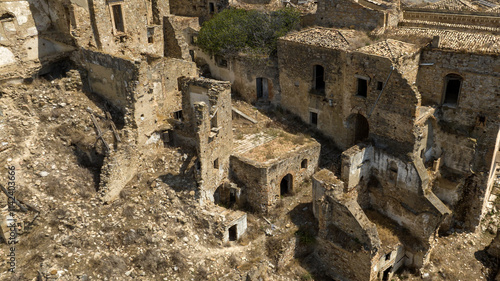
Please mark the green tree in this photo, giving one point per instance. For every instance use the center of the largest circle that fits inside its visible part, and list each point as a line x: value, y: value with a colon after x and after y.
x: 236, y: 30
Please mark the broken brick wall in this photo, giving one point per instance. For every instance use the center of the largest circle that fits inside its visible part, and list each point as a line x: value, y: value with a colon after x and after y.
x: 348, y: 242
x: 178, y: 39
x: 395, y: 188
x: 466, y: 131
x: 158, y: 95
x: 31, y: 36
x: 125, y: 28
x: 208, y: 119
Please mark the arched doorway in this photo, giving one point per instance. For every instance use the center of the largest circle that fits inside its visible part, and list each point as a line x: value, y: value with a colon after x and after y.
x: 360, y: 126
x: 286, y: 184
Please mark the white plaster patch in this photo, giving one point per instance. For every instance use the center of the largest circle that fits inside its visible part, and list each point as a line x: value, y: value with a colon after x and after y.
x: 9, y: 26
x: 20, y: 9
x: 154, y: 138
x: 6, y: 57
x: 31, y: 47
x: 32, y: 31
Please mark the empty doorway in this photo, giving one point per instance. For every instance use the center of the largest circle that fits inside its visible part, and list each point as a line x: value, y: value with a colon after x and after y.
x: 233, y: 233
x: 262, y: 88
x: 387, y: 274
x: 361, y: 127
x: 286, y: 185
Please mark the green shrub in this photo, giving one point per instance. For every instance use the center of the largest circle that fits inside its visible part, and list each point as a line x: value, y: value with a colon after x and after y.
x: 236, y: 30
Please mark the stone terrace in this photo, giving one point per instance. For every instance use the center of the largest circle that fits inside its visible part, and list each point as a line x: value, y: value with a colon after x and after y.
x: 270, y: 145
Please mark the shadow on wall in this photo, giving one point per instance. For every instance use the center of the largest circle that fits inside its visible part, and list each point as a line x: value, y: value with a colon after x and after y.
x: 52, y: 41
x: 302, y: 216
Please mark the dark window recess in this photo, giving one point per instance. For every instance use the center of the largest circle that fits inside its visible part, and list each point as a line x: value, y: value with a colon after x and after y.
x: 232, y: 197
x: 362, y: 90
x: 220, y: 61
x: 178, y: 115
x: 314, y: 118
x: 453, y: 85
x: 388, y: 257
x: 233, y: 233
x: 7, y: 17
x: 481, y: 120
x: 213, y: 121
x: 118, y: 18
x: 387, y: 272
x: 211, y: 7
x: 380, y: 85
x: 319, y: 78
x: 303, y: 164
x: 191, y: 53
x: 216, y: 164
x: 151, y: 33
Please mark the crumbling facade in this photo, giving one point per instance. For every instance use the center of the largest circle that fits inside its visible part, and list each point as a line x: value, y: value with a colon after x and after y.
x: 208, y: 114
x: 415, y: 112
x: 269, y: 166
x: 362, y: 239
x: 396, y: 106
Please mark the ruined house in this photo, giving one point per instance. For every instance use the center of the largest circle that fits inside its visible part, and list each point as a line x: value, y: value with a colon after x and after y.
x: 416, y: 112
x: 207, y: 127
x: 272, y: 164
x: 386, y: 93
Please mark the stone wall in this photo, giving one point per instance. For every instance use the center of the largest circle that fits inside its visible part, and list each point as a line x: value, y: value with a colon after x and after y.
x: 177, y: 32
x: 115, y: 79
x: 197, y: 8
x: 207, y: 111
x: 242, y: 71
x: 247, y: 70
x: 475, y: 99
x: 348, y: 242
x: 396, y: 189
x: 339, y: 108
x: 141, y: 34
x: 30, y: 38
x: 360, y: 14
x: 158, y: 95
x: 393, y: 114
x: 296, y: 66
x: 261, y: 181
x: 465, y: 133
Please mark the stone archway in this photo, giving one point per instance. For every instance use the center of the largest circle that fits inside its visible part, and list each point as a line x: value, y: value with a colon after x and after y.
x: 360, y: 128
x: 286, y: 185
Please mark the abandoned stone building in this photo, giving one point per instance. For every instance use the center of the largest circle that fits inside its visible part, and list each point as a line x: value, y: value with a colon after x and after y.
x: 269, y: 171
x: 414, y: 106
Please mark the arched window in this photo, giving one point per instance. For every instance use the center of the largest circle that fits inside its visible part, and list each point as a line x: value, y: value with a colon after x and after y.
x: 453, y: 84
